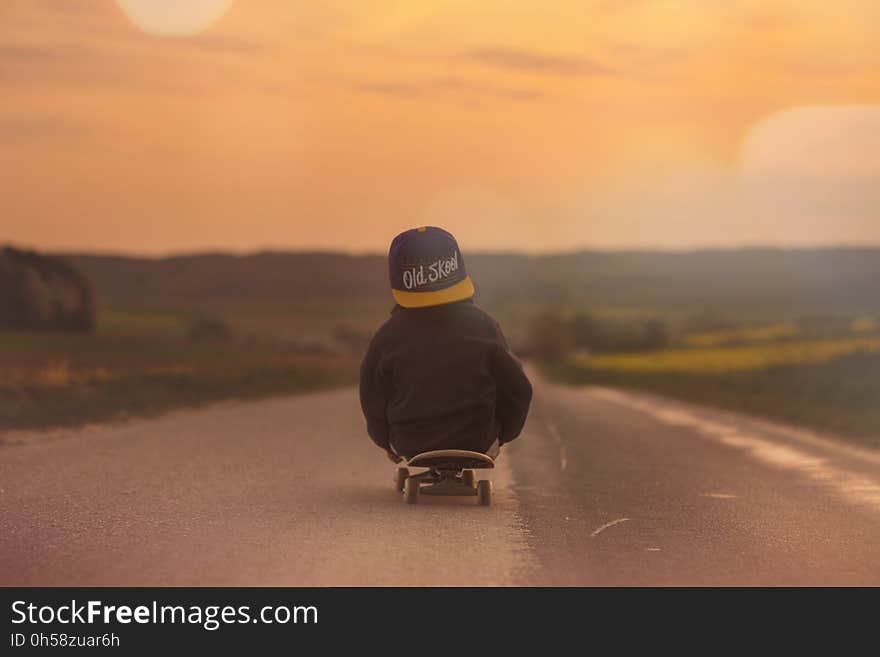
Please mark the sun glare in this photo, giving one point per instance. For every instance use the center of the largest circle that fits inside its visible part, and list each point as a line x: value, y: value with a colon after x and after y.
x: 812, y: 172
x: 174, y: 18
x: 837, y: 142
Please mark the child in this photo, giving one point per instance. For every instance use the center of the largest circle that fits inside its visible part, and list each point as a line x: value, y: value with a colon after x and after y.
x: 438, y: 374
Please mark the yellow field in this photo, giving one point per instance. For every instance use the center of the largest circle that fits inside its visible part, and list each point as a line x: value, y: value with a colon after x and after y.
x: 864, y: 325
x: 724, y: 359
x: 156, y: 324
x: 750, y: 334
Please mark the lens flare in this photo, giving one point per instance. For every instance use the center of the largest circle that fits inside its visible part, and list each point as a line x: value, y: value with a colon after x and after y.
x: 173, y: 18
x: 822, y: 142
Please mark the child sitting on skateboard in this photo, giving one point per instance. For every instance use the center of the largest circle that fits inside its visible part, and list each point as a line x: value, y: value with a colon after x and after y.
x: 438, y: 374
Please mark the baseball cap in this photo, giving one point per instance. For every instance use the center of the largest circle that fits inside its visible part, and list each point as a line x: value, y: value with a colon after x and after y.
x: 426, y: 268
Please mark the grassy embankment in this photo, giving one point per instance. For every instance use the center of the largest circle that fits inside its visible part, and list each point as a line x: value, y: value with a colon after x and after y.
x: 142, y: 363
x: 830, y: 384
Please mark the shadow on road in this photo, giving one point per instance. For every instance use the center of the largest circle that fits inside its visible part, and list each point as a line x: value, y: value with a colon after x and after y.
x: 383, y: 497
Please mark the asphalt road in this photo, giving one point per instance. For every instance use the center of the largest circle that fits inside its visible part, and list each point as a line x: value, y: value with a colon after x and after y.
x: 603, y: 488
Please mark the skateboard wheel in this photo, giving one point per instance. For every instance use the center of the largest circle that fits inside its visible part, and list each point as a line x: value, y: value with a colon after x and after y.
x: 484, y: 492
x: 469, y: 478
x: 411, y: 490
x: 400, y: 479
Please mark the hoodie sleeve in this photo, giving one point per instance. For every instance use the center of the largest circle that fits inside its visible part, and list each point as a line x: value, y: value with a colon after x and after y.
x: 514, y: 391
x: 373, y: 393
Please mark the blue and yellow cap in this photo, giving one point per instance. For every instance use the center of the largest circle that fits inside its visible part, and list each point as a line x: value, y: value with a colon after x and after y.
x: 426, y: 269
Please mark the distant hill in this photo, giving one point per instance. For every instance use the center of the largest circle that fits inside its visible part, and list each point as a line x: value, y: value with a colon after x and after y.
x: 42, y: 292
x: 209, y: 278
x: 757, y: 281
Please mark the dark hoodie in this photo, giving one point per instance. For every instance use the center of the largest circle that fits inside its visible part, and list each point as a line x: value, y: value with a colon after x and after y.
x: 442, y: 377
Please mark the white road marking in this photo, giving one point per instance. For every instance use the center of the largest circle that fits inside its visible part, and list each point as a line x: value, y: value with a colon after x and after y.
x: 719, y: 496
x: 851, y: 486
x: 652, y: 549
x: 563, y: 453
x: 606, y: 526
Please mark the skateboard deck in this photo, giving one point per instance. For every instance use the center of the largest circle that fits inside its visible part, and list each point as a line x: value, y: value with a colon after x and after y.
x: 449, y: 472
x: 451, y: 459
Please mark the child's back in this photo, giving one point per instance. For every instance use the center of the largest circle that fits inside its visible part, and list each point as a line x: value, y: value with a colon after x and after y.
x: 440, y: 376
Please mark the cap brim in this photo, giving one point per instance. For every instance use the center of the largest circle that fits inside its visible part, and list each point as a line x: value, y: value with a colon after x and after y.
x: 462, y: 290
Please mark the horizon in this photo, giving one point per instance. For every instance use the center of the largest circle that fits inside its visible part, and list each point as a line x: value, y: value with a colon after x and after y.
x: 132, y: 255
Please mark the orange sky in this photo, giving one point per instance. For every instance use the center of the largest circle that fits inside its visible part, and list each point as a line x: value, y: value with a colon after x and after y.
x: 517, y: 125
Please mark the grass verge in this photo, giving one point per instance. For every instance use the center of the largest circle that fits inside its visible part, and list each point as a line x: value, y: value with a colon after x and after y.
x: 36, y: 406
x: 840, y: 395
x: 51, y: 380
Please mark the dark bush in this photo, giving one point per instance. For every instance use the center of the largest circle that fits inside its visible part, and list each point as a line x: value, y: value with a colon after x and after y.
x: 352, y: 340
x: 203, y: 329
x: 552, y: 336
x: 42, y: 292
x: 604, y: 335
x: 549, y: 337
x: 707, y: 321
x: 824, y: 326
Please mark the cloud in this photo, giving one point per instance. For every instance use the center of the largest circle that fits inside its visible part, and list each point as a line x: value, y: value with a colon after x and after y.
x: 15, y: 130
x: 218, y: 42
x: 644, y: 56
x: 533, y: 62
x: 398, y: 89
x: 444, y: 86
x: 618, y: 6
x: 773, y: 19
x: 77, y: 46
x: 24, y: 54
x: 132, y: 61
x: 511, y: 59
x: 825, y: 64
x: 74, y: 7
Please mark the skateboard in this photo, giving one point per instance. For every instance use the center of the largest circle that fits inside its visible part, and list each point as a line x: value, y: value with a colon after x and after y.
x: 449, y: 472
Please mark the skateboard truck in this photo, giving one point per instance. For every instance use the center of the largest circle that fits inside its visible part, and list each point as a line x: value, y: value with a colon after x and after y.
x: 449, y: 472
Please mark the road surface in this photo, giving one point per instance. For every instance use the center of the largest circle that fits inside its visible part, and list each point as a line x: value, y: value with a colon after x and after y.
x: 603, y: 488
